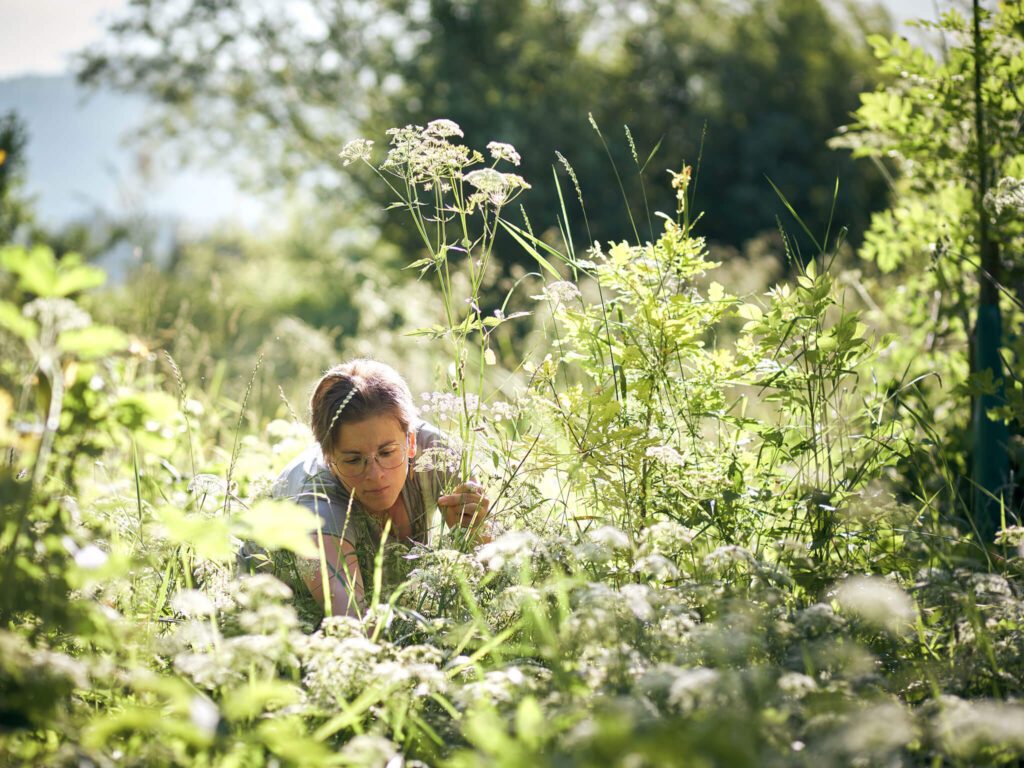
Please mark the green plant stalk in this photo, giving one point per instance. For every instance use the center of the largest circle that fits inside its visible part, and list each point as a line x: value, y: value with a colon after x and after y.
x: 48, y: 367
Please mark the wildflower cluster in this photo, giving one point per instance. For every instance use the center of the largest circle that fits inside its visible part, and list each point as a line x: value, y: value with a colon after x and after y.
x: 427, y: 157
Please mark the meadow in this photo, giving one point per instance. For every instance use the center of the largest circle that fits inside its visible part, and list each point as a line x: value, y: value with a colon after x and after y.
x: 729, y: 528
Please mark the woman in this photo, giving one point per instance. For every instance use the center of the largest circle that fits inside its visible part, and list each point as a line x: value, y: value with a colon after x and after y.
x: 361, y: 478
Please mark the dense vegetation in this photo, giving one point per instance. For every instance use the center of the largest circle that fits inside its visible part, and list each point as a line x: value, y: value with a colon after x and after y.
x: 734, y: 528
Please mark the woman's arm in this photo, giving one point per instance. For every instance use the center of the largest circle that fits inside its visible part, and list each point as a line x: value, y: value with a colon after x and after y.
x: 344, y: 580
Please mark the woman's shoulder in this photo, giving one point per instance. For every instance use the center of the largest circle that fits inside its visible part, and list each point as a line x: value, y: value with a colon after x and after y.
x: 428, y: 436
x: 303, y: 473
x: 434, y: 451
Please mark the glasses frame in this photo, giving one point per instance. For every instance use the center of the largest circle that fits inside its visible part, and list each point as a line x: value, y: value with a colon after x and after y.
x: 375, y: 456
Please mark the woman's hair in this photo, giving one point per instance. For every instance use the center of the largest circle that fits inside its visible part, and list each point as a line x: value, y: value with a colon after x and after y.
x: 354, y: 391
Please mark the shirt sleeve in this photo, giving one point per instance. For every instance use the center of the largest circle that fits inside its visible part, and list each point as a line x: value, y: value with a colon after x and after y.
x: 329, y: 501
x: 309, y: 484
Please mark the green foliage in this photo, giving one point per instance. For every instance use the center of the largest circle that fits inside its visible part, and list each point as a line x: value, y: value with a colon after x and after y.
x: 697, y: 551
x: 941, y: 245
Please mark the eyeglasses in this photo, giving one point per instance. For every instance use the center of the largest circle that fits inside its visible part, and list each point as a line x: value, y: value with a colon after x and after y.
x: 354, y: 466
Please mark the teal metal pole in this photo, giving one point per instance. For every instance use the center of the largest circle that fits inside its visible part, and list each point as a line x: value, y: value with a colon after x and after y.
x: 990, y: 464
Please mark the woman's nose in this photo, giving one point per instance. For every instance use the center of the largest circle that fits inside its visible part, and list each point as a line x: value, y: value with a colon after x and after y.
x: 373, y: 467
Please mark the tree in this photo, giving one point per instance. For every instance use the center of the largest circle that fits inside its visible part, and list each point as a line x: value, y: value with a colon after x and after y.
x: 952, y: 130
x: 13, y: 141
x: 773, y: 83
x: 278, y: 88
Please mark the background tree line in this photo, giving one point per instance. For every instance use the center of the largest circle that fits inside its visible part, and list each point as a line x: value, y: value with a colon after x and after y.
x: 746, y: 90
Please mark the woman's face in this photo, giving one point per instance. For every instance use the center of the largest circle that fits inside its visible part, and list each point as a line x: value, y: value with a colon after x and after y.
x: 381, y: 439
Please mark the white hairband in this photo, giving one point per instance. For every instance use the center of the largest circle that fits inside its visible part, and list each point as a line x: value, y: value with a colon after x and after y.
x: 341, y: 407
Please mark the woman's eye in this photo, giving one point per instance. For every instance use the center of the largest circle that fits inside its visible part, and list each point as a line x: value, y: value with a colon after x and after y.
x: 388, y: 452
x: 353, y: 461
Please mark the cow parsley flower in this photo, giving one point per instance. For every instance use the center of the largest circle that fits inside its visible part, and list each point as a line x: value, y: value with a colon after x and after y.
x: 611, y: 537
x: 560, y: 293
x: 656, y: 567
x: 438, y: 458
x: 693, y: 687
x: 269, y: 619
x: 90, y: 557
x: 424, y: 156
x: 443, y: 128
x: 1011, y: 535
x: 371, y: 751
x: 356, y: 150
x: 875, y: 731
x: 502, y: 151
x: 503, y: 686
x: 207, y: 670
x: 637, y: 598
x: 498, y: 188
x: 502, y: 411
x: 339, y: 671
x: 665, y: 454
x: 261, y: 588
x: 1007, y: 195
x: 204, y: 714
x: 966, y: 728
x: 57, y: 315
x: 877, y: 602
x: 514, y: 547
x: 667, y: 538
x: 191, y: 603
x: 446, y: 405
x: 818, y: 620
x: 795, y: 685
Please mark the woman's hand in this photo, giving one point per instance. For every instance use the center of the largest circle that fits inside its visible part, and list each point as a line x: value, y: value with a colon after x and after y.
x: 466, y: 506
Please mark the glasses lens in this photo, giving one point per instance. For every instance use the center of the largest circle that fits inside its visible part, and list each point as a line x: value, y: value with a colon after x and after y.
x: 392, y: 459
x: 353, y: 468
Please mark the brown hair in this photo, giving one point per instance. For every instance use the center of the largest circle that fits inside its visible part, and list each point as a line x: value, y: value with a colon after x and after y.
x: 354, y: 391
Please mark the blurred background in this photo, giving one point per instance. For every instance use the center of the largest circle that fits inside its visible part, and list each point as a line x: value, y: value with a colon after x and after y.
x: 190, y: 147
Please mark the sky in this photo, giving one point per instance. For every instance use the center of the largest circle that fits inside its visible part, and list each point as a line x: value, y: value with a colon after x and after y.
x: 90, y: 173
x: 38, y: 36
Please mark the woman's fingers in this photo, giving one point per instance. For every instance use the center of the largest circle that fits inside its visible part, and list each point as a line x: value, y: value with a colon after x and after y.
x: 468, y: 501
x: 466, y: 505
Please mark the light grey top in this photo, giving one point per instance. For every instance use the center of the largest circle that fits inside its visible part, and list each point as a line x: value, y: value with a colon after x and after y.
x: 308, y: 481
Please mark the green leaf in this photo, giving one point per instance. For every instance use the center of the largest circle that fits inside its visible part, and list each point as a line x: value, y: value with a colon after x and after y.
x: 40, y: 272
x: 79, y: 277
x: 36, y: 269
x: 209, y: 537
x: 529, y: 721
x: 93, y: 342
x: 433, y: 332
x: 277, y: 524
x: 750, y: 312
x: 258, y: 696
x: 15, y: 322
x: 287, y: 738
x: 520, y: 236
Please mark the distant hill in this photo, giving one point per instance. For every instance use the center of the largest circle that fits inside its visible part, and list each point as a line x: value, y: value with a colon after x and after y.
x: 78, y: 166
